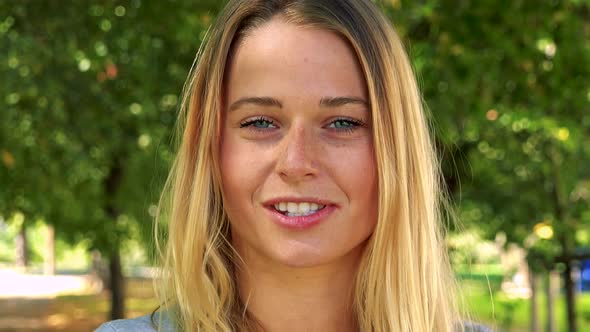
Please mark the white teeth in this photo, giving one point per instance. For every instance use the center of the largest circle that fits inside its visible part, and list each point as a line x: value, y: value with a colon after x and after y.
x: 298, y: 209
x: 292, y: 207
x: 304, y: 207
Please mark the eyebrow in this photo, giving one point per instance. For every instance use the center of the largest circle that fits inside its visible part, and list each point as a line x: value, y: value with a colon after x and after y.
x: 260, y: 101
x: 341, y: 101
x: 269, y: 102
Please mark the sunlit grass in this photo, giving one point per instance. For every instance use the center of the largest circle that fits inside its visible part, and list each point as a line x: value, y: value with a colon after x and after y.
x: 85, y: 313
x: 489, y: 305
x: 482, y: 297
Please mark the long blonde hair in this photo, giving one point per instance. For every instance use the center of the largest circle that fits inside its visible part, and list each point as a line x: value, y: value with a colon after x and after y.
x: 404, y: 282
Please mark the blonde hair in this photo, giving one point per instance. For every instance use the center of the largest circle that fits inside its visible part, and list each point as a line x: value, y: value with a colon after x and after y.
x: 404, y: 282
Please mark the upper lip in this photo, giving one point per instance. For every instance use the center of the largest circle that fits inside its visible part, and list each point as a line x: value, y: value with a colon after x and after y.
x: 319, y: 201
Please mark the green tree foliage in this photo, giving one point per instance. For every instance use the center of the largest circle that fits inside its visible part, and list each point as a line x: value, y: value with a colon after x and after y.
x: 89, y: 94
x: 508, y: 90
x: 89, y: 97
x: 507, y: 85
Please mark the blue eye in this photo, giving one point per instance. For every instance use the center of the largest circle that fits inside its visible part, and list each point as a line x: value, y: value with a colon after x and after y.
x: 346, y: 125
x: 341, y: 124
x: 259, y: 123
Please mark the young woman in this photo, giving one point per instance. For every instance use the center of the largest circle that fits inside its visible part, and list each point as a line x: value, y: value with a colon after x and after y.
x: 306, y: 194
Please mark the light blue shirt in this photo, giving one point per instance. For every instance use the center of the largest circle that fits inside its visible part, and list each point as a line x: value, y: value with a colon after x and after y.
x: 144, y: 324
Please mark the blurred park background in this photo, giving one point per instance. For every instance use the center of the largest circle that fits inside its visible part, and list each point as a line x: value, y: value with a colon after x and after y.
x: 89, y: 92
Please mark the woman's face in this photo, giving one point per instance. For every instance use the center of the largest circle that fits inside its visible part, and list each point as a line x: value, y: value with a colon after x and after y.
x: 297, y: 166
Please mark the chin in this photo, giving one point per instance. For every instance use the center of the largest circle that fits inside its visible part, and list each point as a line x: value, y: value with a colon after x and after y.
x: 304, y: 256
x: 303, y: 260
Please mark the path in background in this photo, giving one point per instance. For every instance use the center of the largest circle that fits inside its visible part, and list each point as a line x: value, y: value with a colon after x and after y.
x: 25, y: 285
x: 30, y: 302
x: 26, y: 299
x: 24, y: 314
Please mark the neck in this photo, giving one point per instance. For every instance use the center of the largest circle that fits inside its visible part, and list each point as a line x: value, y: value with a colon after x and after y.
x: 284, y: 298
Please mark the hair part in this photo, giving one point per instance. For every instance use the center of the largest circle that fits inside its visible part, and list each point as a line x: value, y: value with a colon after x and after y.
x: 404, y: 281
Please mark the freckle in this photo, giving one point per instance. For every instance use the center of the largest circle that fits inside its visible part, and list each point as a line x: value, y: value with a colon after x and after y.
x: 305, y: 60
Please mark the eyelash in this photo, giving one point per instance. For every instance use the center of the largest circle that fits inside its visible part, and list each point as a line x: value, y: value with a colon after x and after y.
x: 354, y: 124
x: 250, y: 122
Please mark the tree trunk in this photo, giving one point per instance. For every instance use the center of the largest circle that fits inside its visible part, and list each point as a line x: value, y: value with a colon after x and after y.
x: 560, y: 206
x: 99, y: 270
x: 111, y: 186
x: 552, y: 288
x: 22, y: 250
x: 570, y: 298
x: 49, y: 256
x: 117, y: 287
x: 534, y: 318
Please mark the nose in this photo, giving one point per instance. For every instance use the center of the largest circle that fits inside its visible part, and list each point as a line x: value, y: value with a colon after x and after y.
x: 297, y: 157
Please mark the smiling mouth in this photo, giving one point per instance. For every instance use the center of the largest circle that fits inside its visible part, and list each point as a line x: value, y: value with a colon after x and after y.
x: 292, y: 209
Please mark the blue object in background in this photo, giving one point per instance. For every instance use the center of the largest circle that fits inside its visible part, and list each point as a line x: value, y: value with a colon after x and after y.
x: 585, y: 276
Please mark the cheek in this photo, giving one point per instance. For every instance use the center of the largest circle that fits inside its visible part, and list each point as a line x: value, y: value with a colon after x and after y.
x: 357, y: 171
x: 367, y: 194
x: 367, y: 184
x: 242, y: 169
x: 230, y: 156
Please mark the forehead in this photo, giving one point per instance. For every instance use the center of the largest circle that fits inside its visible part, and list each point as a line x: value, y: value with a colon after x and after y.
x: 310, y: 60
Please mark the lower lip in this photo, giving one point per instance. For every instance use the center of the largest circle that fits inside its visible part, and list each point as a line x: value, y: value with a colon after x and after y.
x: 301, y: 222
